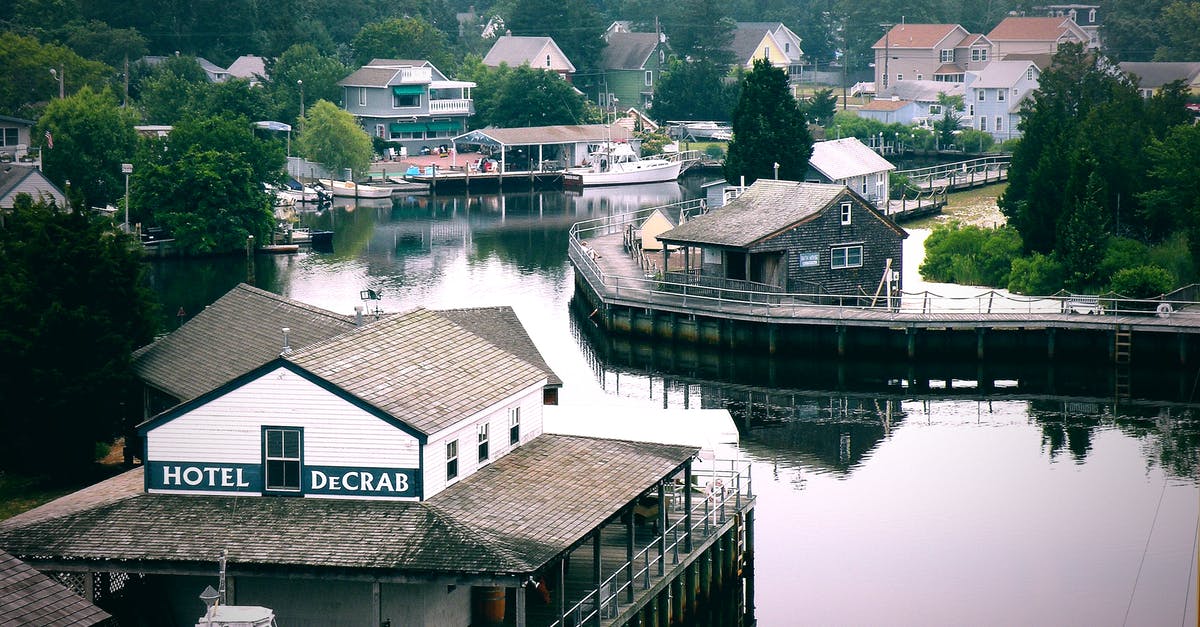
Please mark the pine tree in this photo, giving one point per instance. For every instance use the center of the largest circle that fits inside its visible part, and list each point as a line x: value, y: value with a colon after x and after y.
x: 768, y: 129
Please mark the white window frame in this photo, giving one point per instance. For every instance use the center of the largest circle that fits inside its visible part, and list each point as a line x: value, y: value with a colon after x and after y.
x: 983, y: 123
x: 451, y: 460
x: 935, y: 109
x: 999, y: 123
x: 5, y: 136
x: 946, y: 55
x: 841, y: 257
x: 1091, y: 16
x: 899, y: 77
x: 649, y: 78
x: 362, y: 96
x: 272, y: 454
x: 514, y: 425
x: 1000, y: 93
x: 981, y: 95
x: 482, y: 435
x: 767, y: 53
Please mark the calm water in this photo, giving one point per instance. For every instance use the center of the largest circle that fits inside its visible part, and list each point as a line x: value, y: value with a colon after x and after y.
x: 881, y: 500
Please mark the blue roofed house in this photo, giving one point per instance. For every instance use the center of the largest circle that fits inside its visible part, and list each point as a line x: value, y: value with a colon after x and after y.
x: 994, y: 96
x: 408, y: 102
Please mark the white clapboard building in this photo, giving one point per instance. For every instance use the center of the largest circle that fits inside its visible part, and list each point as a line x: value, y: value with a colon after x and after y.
x: 389, y: 471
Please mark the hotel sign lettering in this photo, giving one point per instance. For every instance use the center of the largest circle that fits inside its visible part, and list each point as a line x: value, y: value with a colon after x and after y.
x: 248, y: 478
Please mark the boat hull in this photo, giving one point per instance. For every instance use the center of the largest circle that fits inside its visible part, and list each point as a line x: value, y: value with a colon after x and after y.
x: 641, y: 172
x: 347, y: 189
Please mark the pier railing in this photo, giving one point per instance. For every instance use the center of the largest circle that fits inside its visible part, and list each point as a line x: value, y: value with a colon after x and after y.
x: 960, y: 174
x: 715, y: 295
x: 719, y: 492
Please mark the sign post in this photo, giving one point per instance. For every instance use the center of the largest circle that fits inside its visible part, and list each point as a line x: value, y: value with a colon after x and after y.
x: 127, y: 169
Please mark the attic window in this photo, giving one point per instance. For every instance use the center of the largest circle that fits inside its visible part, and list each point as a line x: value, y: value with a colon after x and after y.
x: 451, y: 460
x: 1092, y: 16
x: 483, y: 441
x: 547, y: 60
x: 1029, y: 73
x: 846, y: 212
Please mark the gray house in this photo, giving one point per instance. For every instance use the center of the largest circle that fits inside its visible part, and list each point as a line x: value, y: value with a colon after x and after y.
x: 408, y: 102
x: 25, y: 179
x: 14, y: 138
x: 811, y: 238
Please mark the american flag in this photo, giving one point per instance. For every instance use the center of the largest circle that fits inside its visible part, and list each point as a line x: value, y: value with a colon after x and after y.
x: 49, y: 140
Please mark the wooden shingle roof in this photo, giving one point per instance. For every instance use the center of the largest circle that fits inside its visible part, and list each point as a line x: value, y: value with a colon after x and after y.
x: 421, y: 368
x: 509, y: 518
x: 502, y: 327
x: 27, y: 597
x: 766, y: 208
x: 239, y: 332
x: 628, y: 51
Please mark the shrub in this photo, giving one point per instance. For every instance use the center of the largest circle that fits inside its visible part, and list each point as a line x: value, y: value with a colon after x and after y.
x: 970, y: 255
x: 972, y: 140
x: 714, y: 151
x: 1122, y: 253
x: 1142, y: 282
x: 1174, y: 256
x: 1039, y: 274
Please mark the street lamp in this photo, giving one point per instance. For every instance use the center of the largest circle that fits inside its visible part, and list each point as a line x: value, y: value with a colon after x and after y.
x: 60, y: 75
x: 300, y: 83
x: 127, y: 169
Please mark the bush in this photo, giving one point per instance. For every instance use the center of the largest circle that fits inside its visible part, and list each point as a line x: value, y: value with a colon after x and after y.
x: 970, y: 255
x: 1142, y: 282
x: 1121, y: 253
x: 715, y: 152
x: 1009, y: 145
x: 1174, y: 256
x: 652, y: 143
x: 1036, y: 275
x: 971, y: 140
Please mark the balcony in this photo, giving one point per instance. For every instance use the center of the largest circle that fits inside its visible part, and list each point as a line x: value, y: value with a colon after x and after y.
x: 416, y: 74
x: 458, y: 105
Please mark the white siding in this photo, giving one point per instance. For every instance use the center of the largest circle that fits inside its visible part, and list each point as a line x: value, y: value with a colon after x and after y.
x: 466, y: 432
x: 229, y: 428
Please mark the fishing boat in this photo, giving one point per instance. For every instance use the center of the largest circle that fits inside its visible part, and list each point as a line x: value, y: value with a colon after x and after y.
x: 617, y: 164
x: 350, y: 189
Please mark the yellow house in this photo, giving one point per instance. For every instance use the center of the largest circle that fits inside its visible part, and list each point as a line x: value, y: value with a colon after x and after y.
x: 658, y: 223
x: 767, y: 40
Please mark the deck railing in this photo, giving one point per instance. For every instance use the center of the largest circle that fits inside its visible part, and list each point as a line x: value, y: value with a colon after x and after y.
x: 721, y: 488
x: 720, y: 296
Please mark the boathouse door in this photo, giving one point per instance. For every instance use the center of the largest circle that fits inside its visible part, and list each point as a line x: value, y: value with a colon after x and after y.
x: 768, y: 268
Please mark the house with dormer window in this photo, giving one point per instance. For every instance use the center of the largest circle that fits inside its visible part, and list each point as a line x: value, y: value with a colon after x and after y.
x: 409, y: 103
x: 929, y: 52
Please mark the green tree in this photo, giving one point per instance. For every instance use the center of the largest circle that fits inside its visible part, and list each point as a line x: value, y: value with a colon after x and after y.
x: 1084, y: 237
x: 575, y: 25
x: 330, y: 136
x: 768, y: 128
x: 92, y: 136
x: 693, y: 90
x: 1146, y: 281
x: 171, y: 90
x: 1172, y: 202
x: 701, y: 30
x: 523, y: 96
x: 402, y: 38
x: 28, y: 84
x: 96, y: 40
x: 319, y: 72
x: 821, y: 107
x: 1181, y: 25
x: 75, y: 306
x: 951, y: 119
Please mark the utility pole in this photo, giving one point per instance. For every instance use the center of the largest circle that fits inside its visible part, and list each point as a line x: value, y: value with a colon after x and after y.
x: 887, y: 51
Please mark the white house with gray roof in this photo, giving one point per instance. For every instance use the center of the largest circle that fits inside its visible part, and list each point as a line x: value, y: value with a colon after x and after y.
x: 849, y: 162
x: 407, y: 102
x: 995, y: 95
x: 539, y: 52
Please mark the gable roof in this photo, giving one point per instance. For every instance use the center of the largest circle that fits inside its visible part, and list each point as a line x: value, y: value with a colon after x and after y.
x: 923, y: 90
x: 27, y: 597
x: 1042, y: 60
x: 421, y: 368
x: 496, y: 520
x: 918, y: 35
x: 746, y: 40
x: 557, y: 134
x: 502, y: 327
x: 782, y: 34
x: 384, y: 72
x: 1034, y: 29
x: 1002, y: 74
x: 248, y: 66
x: 844, y: 158
x: 628, y: 51
x: 15, y: 179
x: 515, y: 51
x: 886, y: 104
x: 1152, y: 75
x: 764, y: 209
x: 239, y: 332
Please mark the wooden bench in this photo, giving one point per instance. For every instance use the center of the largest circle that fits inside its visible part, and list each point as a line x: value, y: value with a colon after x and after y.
x: 1082, y: 305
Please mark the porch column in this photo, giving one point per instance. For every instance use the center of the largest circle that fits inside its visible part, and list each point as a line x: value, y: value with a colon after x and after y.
x: 747, y: 265
x: 666, y: 254
x: 519, y: 606
x: 629, y: 541
x: 687, y: 507
x: 596, y: 575
x: 662, y: 523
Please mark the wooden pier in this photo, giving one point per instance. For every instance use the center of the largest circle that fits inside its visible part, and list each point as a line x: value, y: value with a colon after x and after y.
x: 639, y: 299
x: 960, y: 175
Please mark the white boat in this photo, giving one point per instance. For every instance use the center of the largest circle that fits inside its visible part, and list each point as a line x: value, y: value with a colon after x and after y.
x: 618, y: 164
x: 350, y: 189
x: 304, y: 194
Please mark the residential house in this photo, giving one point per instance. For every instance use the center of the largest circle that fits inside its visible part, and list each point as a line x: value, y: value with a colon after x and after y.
x: 794, y: 237
x: 397, y: 473
x: 1036, y: 35
x: 911, y: 102
x: 1087, y: 16
x: 996, y: 94
x: 1151, y: 76
x: 938, y: 52
x: 15, y: 138
x: 27, y: 597
x: 850, y: 162
x: 26, y: 179
x: 632, y: 64
x: 249, y: 67
x: 771, y: 41
x: 538, y: 52
x: 409, y: 103
x: 214, y: 72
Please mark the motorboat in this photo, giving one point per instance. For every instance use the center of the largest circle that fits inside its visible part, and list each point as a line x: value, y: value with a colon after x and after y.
x: 299, y: 193
x: 350, y: 189
x: 615, y: 163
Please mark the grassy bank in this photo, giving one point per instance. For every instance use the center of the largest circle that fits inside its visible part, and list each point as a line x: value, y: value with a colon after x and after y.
x: 973, y: 206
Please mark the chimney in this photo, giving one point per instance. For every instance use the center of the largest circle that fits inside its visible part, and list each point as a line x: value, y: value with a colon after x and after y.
x: 287, y: 349
x: 358, y: 316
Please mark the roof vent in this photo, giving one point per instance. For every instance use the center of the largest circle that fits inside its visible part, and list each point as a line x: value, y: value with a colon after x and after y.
x: 287, y: 349
x: 358, y: 316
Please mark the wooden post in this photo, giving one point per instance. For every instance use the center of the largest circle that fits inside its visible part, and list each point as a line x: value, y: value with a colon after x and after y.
x: 596, y: 574
x: 629, y: 542
x: 662, y: 515
x: 979, y: 333
x: 1050, y: 343
x: 687, y: 507
x: 518, y: 607
x: 911, y: 332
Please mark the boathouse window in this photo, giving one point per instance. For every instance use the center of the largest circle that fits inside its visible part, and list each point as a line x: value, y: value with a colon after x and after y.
x: 8, y: 136
x: 483, y: 441
x: 451, y: 459
x: 846, y: 206
x: 281, y: 459
x: 514, y: 425
x: 846, y: 257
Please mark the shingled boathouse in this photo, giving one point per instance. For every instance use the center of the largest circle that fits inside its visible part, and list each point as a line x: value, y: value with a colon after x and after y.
x: 394, y: 473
